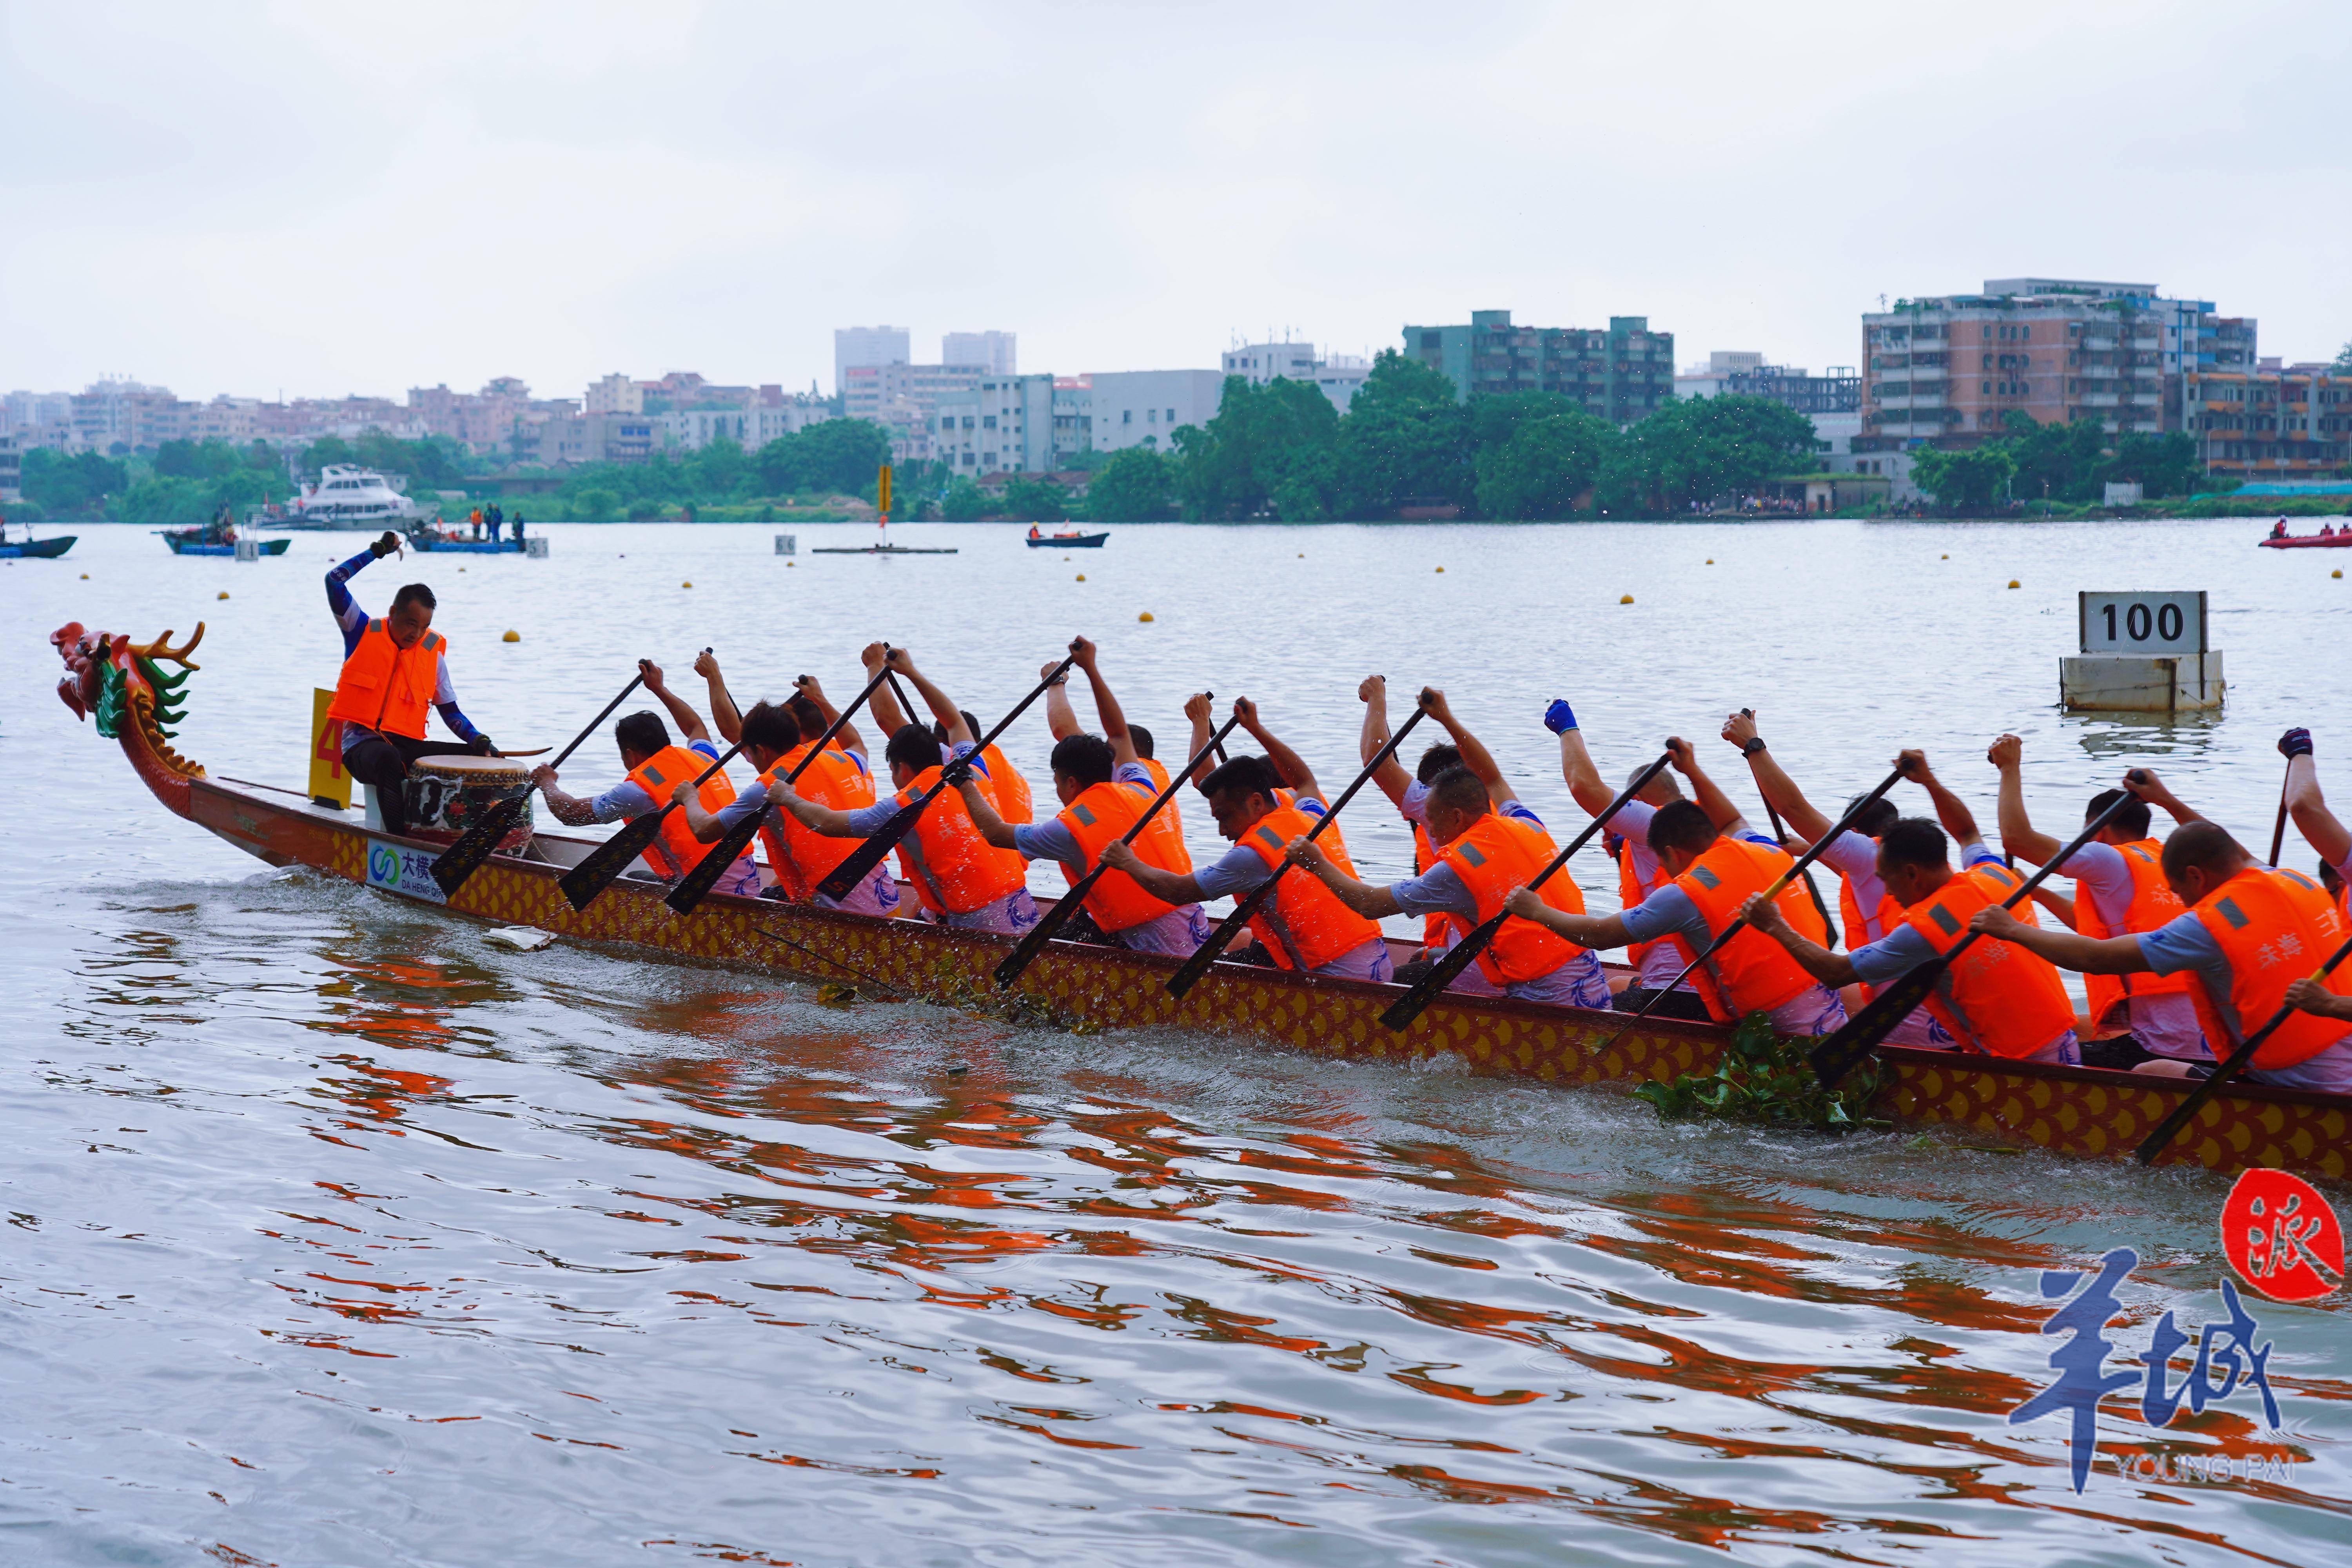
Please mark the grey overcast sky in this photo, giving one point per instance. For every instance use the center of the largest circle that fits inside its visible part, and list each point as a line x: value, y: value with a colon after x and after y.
x: 322, y: 198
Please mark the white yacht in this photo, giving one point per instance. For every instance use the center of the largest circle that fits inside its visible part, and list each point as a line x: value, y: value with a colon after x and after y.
x: 360, y: 500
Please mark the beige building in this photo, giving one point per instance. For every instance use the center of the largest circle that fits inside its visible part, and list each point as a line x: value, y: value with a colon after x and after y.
x: 2270, y: 424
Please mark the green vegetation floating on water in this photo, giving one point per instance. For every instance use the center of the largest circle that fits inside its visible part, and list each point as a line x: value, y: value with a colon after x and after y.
x: 1764, y: 1080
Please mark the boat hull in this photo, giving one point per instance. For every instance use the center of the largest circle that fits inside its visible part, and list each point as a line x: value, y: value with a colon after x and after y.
x: 467, y: 546
x: 1080, y: 541
x: 189, y: 547
x: 38, y: 549
x: 2310, y: 541
x: 2070, y: 1111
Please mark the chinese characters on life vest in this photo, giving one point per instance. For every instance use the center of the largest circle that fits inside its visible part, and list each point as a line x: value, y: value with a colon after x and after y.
x: 2227, y: 1357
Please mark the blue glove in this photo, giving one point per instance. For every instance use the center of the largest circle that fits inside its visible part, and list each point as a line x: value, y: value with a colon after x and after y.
x: 2295, y: 742
x: 1559, y: 718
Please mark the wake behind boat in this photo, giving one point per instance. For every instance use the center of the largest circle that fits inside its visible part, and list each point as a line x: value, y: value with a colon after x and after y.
x: 2081, y: 1111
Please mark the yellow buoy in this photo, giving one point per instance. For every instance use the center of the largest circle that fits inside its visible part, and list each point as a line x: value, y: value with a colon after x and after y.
x: 685, y: 584
x: 2337, y: 573
x: 461, y: 569
x: 2014, y: 583
x: 789, y: 564
x: 1944, y: 558
x: 224, y: 593
x: 85, y: 576
x: 1710, y: 559
x: 1440, y: 568
x: 1302, y: 555
x: 1145, y: 616
x: 512, y: 635
x: 1626, y: 598
x: 1082, y: 576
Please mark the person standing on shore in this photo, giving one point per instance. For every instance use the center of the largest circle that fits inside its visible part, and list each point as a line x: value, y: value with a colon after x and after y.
x: 393, y: 669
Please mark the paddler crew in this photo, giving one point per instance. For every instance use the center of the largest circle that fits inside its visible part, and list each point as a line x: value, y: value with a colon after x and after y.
x: 2313, y: 819
x: 1104, y: 788
x: 2119, y: 890
x: 393, y: 668
x: 1709, y: 876
x: 1997, y: 998
x: 1488, y: 847
x: 658, y: 771
x: 1438, y: 932
x: 1006, y: 786
x: 959, y: 879
x: 1656, y: 963
x: 774, y: 737
x: 2250, y: 935
x: 1304, y: 925
x: 1062, y: 721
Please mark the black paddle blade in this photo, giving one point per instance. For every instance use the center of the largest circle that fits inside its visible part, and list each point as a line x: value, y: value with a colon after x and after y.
x: 1009, y: 969
x: 463, y: 858
x: 842, y: 880
x: 696, y: 885
x: 1835, y: 1057
x: 1197, y: 965
x: 1457, y: 958
x: 609, y: 859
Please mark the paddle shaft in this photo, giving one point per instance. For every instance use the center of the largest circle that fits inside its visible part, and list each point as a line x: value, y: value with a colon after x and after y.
x: 1185, y: 978
x: 2155, y: 1143
x: 868, y: 855
x: 697, y: 883
x: 1835, y: 1057
x: 2278, y: 828
x: 1053, y: 919
x: 1772, y: 891
x: 1457, y: 958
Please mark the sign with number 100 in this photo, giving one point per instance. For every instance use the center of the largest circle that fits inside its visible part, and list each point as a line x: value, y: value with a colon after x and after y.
x: 2143, y: 623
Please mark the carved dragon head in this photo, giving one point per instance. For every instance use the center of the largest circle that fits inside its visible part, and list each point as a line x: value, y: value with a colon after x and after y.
x: 122, y: 683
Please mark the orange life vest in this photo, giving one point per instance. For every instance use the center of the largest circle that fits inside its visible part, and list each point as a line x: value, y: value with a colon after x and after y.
x: 1996, y: 997
x: 1006, y: 789
x: 956, y: 870
x: 1495, y: 857
x: 1304, y: 925
x: 801, y: 856
x: 387, y: 688
x: 2273, y: 928
x: 1751, y: 972
x: 2153, y: 904
x: 1104, y: 812
x: 1171, y: 812
x: 675, y: 850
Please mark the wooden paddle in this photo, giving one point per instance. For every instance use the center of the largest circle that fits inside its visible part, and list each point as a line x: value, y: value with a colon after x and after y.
x: 1053, y: 919
x: 463, y: 858
x: 2155, y: 1143
x: 704, y: 874
x: 1779, y: 835
x: 1772, y: 890
x: 868, y: 855
x: 1860, y: 1034
x: 2278, y: 828
x: 609, y: 859
x: 1455, y: 958
x: 1185, y: 979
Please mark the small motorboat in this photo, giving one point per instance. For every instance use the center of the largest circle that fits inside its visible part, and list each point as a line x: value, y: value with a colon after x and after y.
x: 192, y: 541
x: 2340, y: 538
x: 467, y: 546
x: 36, y: 549
x: 1066, y: 541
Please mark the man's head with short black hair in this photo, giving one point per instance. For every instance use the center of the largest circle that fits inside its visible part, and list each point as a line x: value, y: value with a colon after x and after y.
x: 1080, y: 763
x: 1457, y: 799
x: 2199, y: 857
x: 1241, y: 792
x: 1914, y: 858
x: 411, y: 615
x: 769, y: 731
x: 1140, y: 739
x: 1679, y: 833
x: 806, y: 715
x: 640, y: 735
x: 1435, y: 761
x: 940, y: 731
x: 1876, y: 818
x: 2128, y: 826
x: 912, y: 748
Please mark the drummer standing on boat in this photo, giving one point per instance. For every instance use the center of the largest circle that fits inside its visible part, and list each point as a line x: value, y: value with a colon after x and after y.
x: 393, y: 668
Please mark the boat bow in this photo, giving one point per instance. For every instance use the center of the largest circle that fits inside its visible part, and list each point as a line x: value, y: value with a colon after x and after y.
x: 123, y: 685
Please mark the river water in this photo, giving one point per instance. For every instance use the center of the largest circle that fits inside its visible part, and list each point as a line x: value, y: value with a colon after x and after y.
x: 335, y: 1235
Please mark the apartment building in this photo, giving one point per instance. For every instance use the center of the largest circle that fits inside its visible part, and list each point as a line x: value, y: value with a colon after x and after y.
x: 1147, y: 408
x: 863, y: 346
x: 750, y: 427
x: 992, y: 352
x: 614, y: 394
x: 2270, y: 424
x: 1949, y: 369
x: 1003, y: 424
x: 12, y: 471
x: 1338, y: 377
x: 1622, y: 374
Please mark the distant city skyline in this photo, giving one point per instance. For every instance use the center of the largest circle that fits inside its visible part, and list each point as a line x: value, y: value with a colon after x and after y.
x: 255, y: 197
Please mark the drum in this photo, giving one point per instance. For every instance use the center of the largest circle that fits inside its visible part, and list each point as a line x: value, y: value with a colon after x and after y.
x: 447, y: 795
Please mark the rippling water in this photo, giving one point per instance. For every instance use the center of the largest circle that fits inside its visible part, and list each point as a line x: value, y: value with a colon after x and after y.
x: 336, y: 1237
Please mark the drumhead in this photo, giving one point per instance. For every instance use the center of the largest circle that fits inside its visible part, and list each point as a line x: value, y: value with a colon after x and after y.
x: 470, y: 770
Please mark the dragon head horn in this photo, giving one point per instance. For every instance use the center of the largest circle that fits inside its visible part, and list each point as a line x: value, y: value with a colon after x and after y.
x: 161, y: 648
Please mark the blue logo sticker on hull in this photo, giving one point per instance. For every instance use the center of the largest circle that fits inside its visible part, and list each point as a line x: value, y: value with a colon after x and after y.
x: 396, y: 868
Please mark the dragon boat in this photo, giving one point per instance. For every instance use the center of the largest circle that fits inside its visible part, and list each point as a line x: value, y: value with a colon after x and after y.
x: 2080, y: 1111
